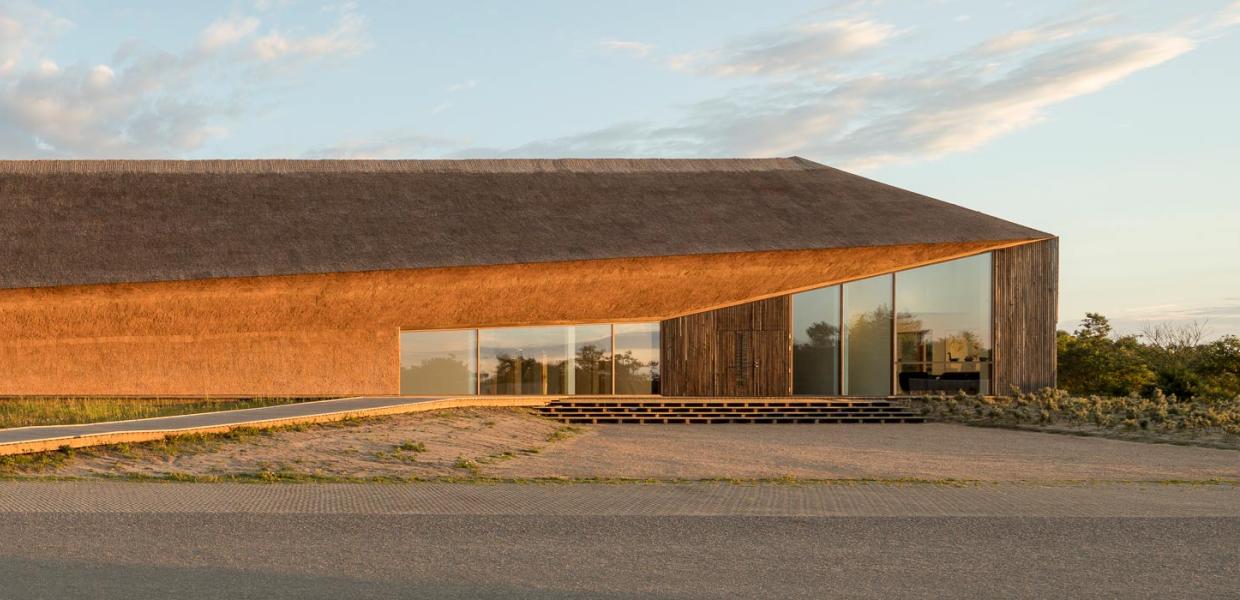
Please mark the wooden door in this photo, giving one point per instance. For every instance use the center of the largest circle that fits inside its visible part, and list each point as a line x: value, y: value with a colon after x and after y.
x: 735, y: 374
x: 752, y: 363
x: 771, y: 371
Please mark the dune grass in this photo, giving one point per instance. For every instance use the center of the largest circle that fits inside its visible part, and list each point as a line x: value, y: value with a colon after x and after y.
x: 1159, y: 418
x: 28, y: 411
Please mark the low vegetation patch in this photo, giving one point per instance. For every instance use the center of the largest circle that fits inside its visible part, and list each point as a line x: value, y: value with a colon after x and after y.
x: 30, y: 411
x: 1156, y: 418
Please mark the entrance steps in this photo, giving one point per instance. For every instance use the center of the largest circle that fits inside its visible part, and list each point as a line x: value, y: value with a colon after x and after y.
x: 729, y: 410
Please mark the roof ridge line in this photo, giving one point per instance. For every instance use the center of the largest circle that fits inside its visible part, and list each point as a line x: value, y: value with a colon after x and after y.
x: 490, y: 165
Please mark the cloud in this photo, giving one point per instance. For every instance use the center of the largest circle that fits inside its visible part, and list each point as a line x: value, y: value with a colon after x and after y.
x: 637, y: 49
x: 1229, y: 16
x: 346, y: 39
x: 802, y: 48
x: 1216, y: 318
x: 904, y: 111
x: 923, y: 121
x: 1042, y: 34
x: 12, y: 41
x: 391, y: 145
x: 1223, y: 308
x: 24, y: 29
x: 144, y: 102
x: 462, y: 86
x: 226, y: 32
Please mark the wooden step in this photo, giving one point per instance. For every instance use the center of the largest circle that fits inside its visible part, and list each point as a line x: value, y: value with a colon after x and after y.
x: 719, y: 409
x: 739, y: 410
x: 742, y: 420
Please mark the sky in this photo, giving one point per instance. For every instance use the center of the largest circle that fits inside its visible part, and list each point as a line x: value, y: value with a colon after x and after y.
x: 1114, y: 125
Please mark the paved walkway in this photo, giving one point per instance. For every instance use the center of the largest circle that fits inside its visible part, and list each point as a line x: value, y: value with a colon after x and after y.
x: 21, y: 440
x: 628, y: 499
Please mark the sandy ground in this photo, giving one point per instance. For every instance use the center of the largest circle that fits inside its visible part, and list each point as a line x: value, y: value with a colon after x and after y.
x: 924, y: 451
x: 515, y: 443
x: 364, y: 448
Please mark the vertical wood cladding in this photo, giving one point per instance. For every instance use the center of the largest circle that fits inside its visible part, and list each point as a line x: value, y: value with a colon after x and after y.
x: 740, y: 350
x: 1026, y: 308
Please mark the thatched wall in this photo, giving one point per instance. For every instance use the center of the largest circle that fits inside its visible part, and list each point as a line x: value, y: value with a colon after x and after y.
x: 328, y: 334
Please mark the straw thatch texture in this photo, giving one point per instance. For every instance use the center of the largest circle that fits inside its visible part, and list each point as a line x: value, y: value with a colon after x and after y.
x: 337, y: 333
x: 88, y: 222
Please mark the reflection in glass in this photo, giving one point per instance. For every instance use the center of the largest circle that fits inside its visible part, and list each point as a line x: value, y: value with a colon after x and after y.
x: 546, y: 360
x: 949, y: 378
x: 943, y: 326
x: 867, y: 337
x: 524, y: 360
x: 437, y: 362
x: 637, y: 358
x: 816, y: 341
x: 591, y: 360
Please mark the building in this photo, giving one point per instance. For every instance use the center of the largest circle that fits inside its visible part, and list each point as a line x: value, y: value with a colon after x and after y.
x: 764, y: 277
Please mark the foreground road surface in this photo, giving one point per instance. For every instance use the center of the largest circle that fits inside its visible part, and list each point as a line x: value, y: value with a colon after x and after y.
x: 125, y: 540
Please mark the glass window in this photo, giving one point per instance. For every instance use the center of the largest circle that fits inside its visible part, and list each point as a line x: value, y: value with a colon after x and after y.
x: 591, y: 360
x: 867, y: 337
x: 816, y: 342
x: 438, y: 362
x: 524, y: 360
x: 637, y: 358
x: 943, y: 327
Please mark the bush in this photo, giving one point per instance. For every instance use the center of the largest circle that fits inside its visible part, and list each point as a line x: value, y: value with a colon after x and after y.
x: 1170, y: 360
x: 1158, y: 412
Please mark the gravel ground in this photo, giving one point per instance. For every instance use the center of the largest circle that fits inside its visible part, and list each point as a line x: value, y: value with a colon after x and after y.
x: 925, y: 451
x: 517, y: 444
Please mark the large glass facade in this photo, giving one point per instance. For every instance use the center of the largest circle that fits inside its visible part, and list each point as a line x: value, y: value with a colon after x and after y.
x: 943, y: 327
x: 936, y: 318
x: 438, y: 362
x: 923, y: 330
x: 550, y: 360
x: 816, y: 342
x: 867, y: 337
x: 637, y: 358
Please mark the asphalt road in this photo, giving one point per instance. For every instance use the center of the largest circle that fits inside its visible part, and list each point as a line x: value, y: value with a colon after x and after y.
x: 279, y: 545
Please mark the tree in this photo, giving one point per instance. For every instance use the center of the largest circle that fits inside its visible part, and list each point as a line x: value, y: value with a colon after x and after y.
x: 1220, y: 368
x: 1093, y: 361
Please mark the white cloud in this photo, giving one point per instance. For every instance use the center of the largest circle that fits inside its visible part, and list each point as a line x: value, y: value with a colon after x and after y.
x: 348, y: 38
x: 144, y: 102
x: 1230, y: 15
x: 1216, y: 317
x: 917, y: 110
x: 226, y: 32
x: 390, y: 145
x: 24, y: 30
x: 924, y: 122
x: 1042, y: 34
x: 462, y: 86
x: 12, y: 42
x: 637, y: 49
x: 803, y: 48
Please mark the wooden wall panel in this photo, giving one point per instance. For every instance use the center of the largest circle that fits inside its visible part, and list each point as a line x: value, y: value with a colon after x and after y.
x: 741, y: 350
x: 1026, y: 309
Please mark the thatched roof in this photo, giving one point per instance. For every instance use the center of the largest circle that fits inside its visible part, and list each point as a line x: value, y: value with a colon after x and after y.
x: 84, y: 222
